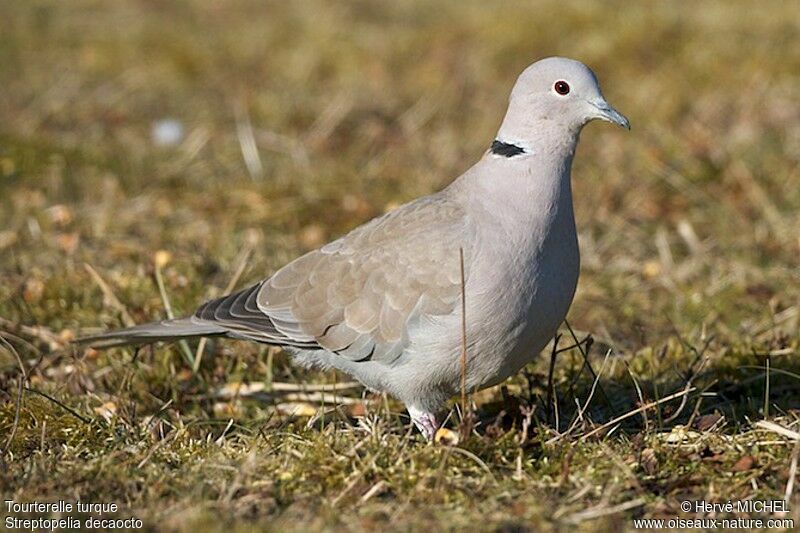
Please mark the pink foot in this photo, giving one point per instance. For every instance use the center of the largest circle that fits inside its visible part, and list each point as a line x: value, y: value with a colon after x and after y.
x: 427, y: 423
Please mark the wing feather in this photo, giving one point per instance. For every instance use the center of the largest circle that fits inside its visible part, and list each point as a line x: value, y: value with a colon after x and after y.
x: 356, y: 296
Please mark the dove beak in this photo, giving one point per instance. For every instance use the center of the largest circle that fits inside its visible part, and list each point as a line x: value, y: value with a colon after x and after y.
x: 609, y: 114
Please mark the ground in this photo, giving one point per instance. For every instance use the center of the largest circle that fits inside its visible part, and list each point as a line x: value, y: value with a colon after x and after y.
x: 156, y: 152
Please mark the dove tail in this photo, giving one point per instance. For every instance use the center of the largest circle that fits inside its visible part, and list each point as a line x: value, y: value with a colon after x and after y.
x: 166, y: 330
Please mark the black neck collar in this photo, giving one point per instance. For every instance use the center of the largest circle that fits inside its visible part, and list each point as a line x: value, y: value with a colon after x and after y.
x: 506, y: 149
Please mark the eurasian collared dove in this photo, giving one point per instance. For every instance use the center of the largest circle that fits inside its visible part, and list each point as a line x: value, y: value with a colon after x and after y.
x: 383, y: 302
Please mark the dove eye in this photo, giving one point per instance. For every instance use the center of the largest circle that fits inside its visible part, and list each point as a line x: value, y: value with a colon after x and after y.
x: 561, y: 87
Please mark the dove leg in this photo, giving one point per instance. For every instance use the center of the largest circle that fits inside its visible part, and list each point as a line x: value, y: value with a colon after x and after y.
x: 427, y: 423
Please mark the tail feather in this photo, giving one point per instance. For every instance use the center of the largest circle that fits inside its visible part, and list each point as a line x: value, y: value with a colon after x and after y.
x: 166, y: 330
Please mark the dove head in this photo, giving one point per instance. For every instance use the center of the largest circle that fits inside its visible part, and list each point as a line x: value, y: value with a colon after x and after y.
x: 555, y: 98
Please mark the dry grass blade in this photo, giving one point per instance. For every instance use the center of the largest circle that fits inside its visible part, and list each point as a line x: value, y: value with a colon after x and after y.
x: 319, y: 398
x: 375, y: 489
x: 221, y: 438
x: 478, y: 461
x: 36, y: 332
x: 582, y: 408
x: 766, y: 389
x: 588, y: 364
x: 240, y: 268
x: 639, y: 394
x: 787, y: 494
x: 312, y: 387
x: 685, y: 399
x: 601, y: 511
x: 247, y: 142
x: 127, y: 319
x: 327, y: 122
x: 161, y: 443
x: 636, y: 411
x: 320, y: 394
x: 777, y: 428
x: 354, y: 479
x: 160, y: 259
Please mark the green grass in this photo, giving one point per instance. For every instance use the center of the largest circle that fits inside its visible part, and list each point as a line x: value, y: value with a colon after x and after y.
x: 688, y: 227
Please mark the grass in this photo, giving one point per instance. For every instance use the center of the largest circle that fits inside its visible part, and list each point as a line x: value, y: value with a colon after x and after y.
x: 688, y: 229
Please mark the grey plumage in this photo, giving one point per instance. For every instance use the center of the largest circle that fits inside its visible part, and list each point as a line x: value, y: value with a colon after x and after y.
x: 383, y: 303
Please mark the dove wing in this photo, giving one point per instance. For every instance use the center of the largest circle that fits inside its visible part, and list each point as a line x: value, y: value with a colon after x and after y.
x: 355, y: 296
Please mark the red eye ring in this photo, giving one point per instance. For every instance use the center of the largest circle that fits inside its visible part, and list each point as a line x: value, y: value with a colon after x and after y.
x: 561, y: 87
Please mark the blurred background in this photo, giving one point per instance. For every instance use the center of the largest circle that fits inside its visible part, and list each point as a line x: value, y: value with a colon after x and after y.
x: 155, y: 142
